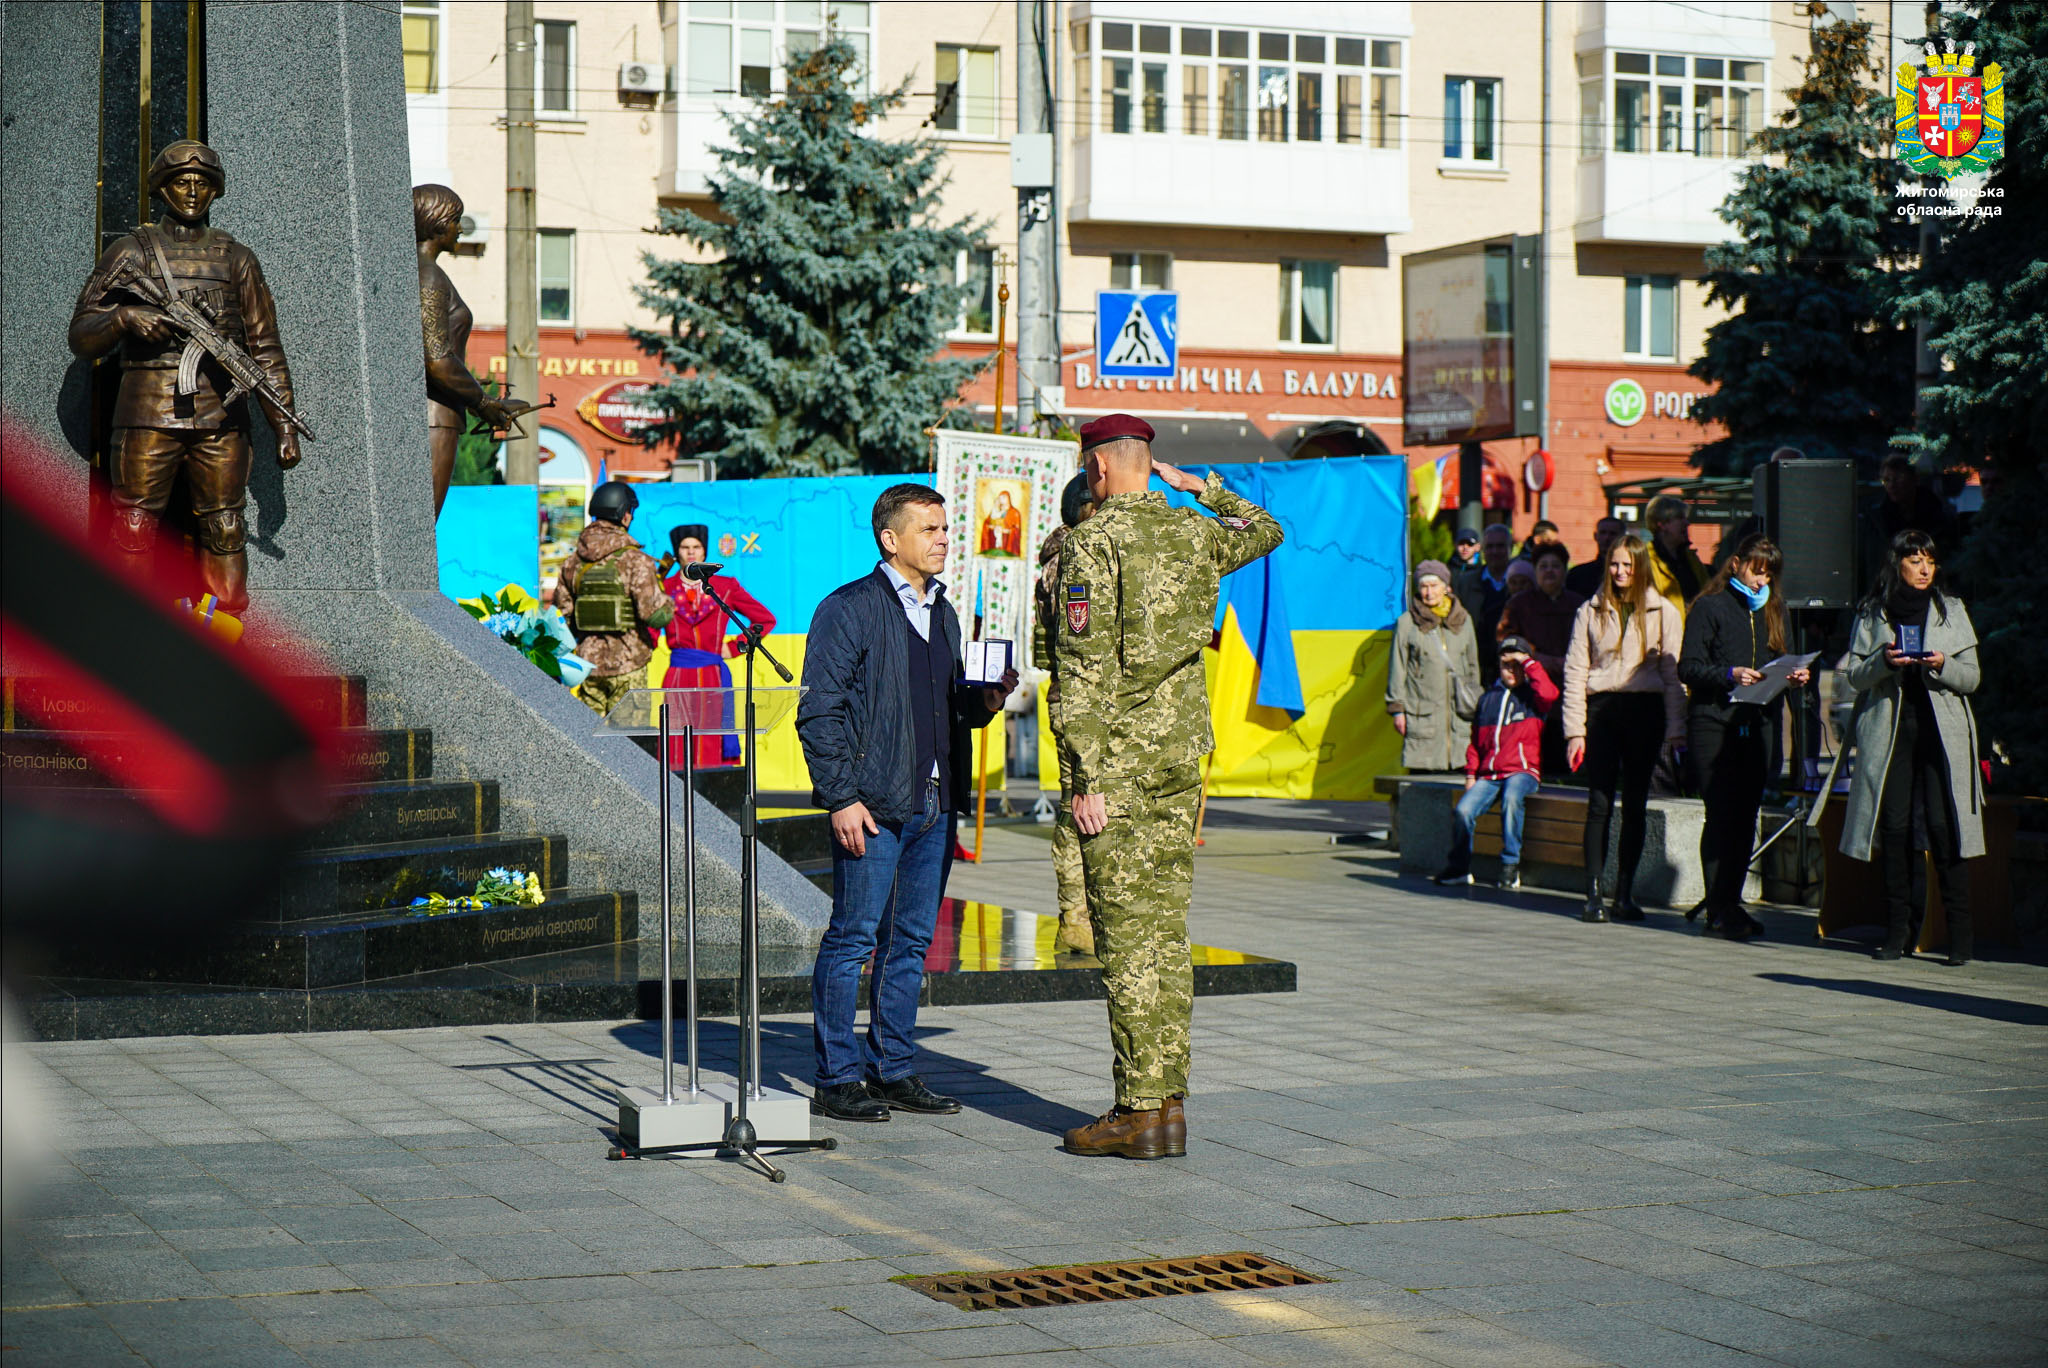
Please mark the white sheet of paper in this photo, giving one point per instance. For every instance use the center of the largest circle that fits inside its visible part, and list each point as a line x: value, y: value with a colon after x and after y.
x: 1773, y: 682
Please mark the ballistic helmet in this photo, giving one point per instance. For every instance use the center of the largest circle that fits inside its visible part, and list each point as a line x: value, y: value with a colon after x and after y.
x: 1074, y: 499
x: 612, y: 501
x: 186, y: 155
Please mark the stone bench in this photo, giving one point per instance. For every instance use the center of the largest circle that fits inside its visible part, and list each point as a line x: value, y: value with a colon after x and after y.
x: 1553, y: 824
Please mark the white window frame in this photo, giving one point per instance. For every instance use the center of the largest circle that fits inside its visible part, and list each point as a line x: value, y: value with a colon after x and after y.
x: 855, y: 22
x: 1092, y: 70
x: 962, y: 274
x: 1468, y: 104
x: 1638, y: 295
x: 1133, y: 266
x: 541, y: 108
x: 1604, y: 83
x: 429, y: 9
x: 1290, y: 284
x: 575, y: 294
x: 993, y: 99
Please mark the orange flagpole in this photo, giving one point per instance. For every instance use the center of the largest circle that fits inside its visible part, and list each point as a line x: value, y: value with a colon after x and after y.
x: 1202, y: 808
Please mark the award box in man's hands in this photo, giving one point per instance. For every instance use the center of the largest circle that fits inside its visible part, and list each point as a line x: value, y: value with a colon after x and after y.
x: 987, y: 660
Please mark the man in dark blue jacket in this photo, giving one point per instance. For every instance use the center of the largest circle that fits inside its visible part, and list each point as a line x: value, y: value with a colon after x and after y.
x: 885, y: 723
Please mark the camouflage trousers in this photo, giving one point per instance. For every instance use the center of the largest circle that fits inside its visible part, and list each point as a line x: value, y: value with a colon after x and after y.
x: 1140, y: 875
x: 602, y: 692
x: 1066, y: 853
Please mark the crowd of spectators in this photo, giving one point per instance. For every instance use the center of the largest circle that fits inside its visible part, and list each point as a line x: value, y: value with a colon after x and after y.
x: 1513, y: 665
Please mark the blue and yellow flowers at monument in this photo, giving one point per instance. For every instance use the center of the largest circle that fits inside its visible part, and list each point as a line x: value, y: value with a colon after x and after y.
x: 500, y: 887
x: 540, y: 634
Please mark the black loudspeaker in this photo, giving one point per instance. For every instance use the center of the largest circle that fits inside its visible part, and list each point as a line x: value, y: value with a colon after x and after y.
x: 1809, y: 509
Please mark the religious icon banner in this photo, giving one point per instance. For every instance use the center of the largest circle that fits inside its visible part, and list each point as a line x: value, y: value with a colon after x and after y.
x: 1002, y: 502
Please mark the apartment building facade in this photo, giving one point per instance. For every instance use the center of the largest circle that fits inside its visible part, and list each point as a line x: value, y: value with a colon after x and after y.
x: 1273, y: 164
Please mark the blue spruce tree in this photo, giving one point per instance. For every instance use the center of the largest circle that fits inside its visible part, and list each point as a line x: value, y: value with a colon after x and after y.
x: 1807, y: 357
x: 810, y: 344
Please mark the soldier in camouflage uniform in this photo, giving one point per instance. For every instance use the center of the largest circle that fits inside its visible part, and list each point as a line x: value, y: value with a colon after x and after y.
x: 1138, y: 585
x: 618, y: 660
x: 1075, y: 935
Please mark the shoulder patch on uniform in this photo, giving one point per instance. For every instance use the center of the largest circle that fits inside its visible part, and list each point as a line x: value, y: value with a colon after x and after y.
x: 1235, y: 524
x: 1077, y: 609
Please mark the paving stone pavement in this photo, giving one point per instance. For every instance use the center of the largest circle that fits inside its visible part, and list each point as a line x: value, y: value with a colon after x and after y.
x: 1505, y: 1138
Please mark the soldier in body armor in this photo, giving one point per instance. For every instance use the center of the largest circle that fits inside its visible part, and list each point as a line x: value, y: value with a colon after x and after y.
x: 611, y: 592
x: 159, y: 431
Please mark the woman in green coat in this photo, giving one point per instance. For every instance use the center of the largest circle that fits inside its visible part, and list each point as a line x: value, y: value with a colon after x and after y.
x: 1434, y: 652
x: 1917, y: 786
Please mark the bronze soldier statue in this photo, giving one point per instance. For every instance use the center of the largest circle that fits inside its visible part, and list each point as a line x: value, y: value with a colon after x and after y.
x: 197, y: 328
x: 452, y: 392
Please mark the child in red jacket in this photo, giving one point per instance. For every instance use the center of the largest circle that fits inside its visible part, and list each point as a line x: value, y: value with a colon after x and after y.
x: 1504, y: 760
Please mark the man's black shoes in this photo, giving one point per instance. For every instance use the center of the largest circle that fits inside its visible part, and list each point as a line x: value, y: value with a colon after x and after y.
x: 909, y: 1093
x: 848, y: 1102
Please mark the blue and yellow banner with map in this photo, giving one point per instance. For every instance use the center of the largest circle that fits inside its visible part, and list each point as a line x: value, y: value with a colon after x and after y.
x: 1297, y: 684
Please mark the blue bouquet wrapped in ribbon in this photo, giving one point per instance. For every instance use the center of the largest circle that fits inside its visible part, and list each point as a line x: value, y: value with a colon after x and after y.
x: 540, y: 634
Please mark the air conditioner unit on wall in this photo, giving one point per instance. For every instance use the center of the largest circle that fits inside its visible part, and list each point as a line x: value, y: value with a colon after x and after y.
x: 641, y: 78
x: 476, y: 233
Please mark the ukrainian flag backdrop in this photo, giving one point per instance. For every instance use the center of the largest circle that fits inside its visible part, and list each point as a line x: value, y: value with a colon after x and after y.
x: 1296, y: 687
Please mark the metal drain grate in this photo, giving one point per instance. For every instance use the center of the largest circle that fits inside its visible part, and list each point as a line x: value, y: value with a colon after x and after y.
x: 1077, y: 1284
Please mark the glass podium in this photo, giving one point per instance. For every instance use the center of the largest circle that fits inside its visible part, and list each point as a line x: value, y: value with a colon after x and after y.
x: 704, y: 1116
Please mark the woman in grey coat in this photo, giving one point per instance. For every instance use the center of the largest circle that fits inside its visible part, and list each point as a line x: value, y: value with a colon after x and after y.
x: 1917, y: 785
x: 1434, y: 650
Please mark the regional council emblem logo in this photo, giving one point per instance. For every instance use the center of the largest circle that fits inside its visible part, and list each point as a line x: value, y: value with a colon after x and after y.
x: 1951, y: 121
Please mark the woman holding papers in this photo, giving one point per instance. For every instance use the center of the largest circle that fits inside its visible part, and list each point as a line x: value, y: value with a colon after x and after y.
x: 1733, y: 629
x: 1913, y: 663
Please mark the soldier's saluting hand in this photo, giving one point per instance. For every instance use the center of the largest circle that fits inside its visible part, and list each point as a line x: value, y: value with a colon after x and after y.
x: 1138, y: 587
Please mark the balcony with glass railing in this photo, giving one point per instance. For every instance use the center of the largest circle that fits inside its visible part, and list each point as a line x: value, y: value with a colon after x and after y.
x: 1182, y: 117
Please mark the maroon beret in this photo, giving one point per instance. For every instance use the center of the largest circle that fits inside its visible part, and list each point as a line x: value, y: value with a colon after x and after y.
x: 1114, y: 427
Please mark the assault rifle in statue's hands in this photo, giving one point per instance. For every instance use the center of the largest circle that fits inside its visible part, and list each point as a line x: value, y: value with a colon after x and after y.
x: 512, y: 410
x: 204, y: 338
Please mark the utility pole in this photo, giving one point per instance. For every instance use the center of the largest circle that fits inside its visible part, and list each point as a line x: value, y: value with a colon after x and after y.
x: 522, y: 272
x: 1543, y: 281
x: 1032, y: 173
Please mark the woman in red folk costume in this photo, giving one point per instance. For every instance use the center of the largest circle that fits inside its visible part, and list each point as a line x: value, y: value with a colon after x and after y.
x: 697, y: 642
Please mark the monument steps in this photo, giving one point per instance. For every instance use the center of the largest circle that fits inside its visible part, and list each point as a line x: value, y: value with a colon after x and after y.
x: 334, y: 952
x: 364, y: 878
x: 417, y: 811
x: 340, y: 919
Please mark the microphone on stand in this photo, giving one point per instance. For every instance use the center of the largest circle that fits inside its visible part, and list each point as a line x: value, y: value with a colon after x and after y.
x: 701, y: 571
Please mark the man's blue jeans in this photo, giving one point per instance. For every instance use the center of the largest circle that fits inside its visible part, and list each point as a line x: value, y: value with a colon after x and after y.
x: 886, y: 900
x: 1513, y: 791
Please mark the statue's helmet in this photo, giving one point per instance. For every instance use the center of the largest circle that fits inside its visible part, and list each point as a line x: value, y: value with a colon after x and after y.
x: 187, y: 155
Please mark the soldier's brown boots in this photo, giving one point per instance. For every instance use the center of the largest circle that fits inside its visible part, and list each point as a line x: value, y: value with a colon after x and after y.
x: 1161, y: 1133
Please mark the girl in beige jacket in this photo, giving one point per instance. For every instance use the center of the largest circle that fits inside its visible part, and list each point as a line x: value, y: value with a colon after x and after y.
x: 1623, y: 707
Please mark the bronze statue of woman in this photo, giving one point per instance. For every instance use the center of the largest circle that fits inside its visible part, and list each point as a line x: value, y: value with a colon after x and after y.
x: 452, y: 392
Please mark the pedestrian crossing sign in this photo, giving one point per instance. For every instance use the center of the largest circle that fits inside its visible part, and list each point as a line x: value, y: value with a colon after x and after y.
x: 1137, y: 334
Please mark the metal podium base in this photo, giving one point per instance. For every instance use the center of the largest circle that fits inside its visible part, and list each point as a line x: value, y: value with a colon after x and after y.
x: 646, y: 1122
x: 711, y: 1121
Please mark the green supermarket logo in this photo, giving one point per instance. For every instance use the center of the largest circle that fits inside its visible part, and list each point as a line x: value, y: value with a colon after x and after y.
x: 1626, y: 403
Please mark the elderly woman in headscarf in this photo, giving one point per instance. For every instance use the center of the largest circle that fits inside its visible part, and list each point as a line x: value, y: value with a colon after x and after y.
x: 1433, y: 674
x: 698, y: 645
